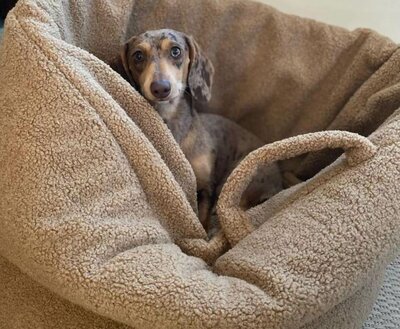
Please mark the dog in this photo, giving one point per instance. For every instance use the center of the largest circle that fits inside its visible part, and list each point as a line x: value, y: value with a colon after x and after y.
x: 171, y: 71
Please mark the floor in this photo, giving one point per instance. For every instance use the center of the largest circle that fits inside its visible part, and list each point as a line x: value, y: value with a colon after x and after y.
x: 382, y: 16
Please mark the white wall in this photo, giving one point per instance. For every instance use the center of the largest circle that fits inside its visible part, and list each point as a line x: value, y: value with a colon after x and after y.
x: 380, y: 15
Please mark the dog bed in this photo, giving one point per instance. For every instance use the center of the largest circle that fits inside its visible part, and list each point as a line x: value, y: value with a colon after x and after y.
x: 98, y: 203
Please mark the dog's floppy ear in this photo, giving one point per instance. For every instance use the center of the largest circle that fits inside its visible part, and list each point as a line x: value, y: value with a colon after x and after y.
x: 120, y: 64
x: 201, y: 72
x: 124, y: 60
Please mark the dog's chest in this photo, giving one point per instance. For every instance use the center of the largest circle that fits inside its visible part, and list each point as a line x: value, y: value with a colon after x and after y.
x: 194, y: 141
x: 200, y: 156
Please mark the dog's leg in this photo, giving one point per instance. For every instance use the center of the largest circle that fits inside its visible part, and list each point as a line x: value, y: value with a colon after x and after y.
x: 266, y: 183
x: 205, y: 205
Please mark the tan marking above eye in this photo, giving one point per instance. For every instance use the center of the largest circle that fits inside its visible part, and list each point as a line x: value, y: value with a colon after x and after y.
x: 145, y: 47
x: 166, y: 44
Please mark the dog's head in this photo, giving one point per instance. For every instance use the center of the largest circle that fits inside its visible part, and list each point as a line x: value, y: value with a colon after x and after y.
x: 164, y: 64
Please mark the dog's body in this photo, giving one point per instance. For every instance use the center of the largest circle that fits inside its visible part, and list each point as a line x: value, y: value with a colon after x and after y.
x: 171, y: 72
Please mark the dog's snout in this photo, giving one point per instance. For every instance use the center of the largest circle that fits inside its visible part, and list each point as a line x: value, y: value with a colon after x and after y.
x: 160, y: 88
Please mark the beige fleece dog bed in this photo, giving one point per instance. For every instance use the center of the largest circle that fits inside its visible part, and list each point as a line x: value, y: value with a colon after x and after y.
x: 98, y: 206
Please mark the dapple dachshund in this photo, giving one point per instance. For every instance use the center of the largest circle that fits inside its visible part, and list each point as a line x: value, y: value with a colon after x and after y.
x: 171, y: 71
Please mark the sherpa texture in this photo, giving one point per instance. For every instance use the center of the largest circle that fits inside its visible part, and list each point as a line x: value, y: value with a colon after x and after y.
x: 98, y: 202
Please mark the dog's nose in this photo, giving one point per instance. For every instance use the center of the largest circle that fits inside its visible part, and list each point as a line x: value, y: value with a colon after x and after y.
x: 160, y: 88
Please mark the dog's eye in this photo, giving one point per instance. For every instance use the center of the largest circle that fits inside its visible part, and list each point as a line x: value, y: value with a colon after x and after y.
x: 138, y: 56
x: 175, y: 52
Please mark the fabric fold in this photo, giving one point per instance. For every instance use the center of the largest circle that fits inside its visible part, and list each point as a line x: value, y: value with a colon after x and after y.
x: 98, y: 224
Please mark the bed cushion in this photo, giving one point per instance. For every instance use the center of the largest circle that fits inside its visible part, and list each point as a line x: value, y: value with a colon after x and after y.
x: 98, y: 203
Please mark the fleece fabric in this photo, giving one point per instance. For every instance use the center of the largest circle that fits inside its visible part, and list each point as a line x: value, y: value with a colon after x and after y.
x: 98, y: 224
